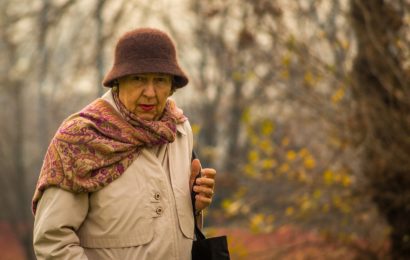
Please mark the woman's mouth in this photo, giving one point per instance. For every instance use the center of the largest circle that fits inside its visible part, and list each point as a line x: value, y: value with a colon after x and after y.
x: 146, y: 107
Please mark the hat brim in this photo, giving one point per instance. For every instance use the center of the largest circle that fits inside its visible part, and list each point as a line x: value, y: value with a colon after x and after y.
x: 146, y: 66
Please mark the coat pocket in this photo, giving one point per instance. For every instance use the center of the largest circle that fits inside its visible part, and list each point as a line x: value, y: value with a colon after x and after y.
x: 130, y: 238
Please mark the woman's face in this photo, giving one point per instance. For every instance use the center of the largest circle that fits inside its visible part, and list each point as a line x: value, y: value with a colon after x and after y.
x: 145, y: 94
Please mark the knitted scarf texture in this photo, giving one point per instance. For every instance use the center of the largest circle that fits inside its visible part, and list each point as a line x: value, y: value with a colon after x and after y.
x: 95, y: 146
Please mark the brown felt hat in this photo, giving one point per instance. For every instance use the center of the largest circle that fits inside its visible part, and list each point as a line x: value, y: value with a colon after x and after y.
x: 145, y: 50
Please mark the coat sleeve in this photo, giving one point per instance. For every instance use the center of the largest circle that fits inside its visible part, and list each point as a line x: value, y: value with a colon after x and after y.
x: 59, y: 215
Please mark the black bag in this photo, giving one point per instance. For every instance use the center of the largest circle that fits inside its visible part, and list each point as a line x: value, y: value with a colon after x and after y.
x: 214, y: 248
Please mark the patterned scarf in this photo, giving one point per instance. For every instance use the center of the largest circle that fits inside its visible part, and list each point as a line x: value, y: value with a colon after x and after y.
x: 94, y: 147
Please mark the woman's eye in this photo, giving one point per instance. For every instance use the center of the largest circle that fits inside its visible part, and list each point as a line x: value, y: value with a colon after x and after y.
x: 137, y: 78
x: 162, y: 79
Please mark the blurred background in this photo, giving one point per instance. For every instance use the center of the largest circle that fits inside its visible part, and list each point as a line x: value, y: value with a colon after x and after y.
x: 302, y: 106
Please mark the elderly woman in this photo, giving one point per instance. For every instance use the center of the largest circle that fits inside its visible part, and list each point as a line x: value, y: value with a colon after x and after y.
x: 117, y: 177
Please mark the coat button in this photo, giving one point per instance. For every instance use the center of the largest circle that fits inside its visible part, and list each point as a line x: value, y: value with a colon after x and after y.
x: 157, y: 196
x: 159, y: 211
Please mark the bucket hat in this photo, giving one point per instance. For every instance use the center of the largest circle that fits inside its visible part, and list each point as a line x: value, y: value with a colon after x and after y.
x: 145, y: 50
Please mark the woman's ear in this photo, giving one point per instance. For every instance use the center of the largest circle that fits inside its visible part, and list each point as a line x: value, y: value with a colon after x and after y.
x: 173, y: 89
x: 173, y: 86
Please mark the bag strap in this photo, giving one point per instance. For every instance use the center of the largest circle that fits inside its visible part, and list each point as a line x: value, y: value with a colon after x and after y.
x: 198, y: 233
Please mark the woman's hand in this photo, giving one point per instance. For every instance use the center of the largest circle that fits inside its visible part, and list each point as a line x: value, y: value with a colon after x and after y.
x: 204, y: 186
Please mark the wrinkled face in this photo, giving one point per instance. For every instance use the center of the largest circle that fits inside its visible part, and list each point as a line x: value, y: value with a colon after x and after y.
x: 145, y: 94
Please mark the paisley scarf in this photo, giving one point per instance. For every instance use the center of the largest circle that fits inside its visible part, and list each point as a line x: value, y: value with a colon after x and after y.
x: 95, y: 146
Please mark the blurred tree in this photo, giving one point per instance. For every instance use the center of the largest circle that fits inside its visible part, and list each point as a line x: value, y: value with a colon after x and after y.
x: 382, y: 90
x: 230, y: 66
x: 13, y: 181
x: 50, y: 66
x: 274, y: 99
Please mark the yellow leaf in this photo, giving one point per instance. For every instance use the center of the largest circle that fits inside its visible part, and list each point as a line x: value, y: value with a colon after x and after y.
x: 256, y: 222
x: 195, y: 128
x: 289, y: 211
x: 291, y: 155
x: 317, y: 194
x: 306, y: 205
x: 328, y: 177
x: 309, y: 79
x: 249, y: 170
x: 338, y: 95
x: 345, y: 44
x: 267, y: 127
x: 303, y: 152
x: 266, y: 146
x: 246, y: 115
x: 284, y: 168
x: 286, y: 60
x: 270, y: 219
x: 253, y: 156
x: 302, y: 177
x: 337, y: 178
x: 232, y: 207
x: 346, y: 180
x: 226, y: 203
x: 254, y: 139
x: 285, y: 141
x: 309, y: 162
x: 268, y: 164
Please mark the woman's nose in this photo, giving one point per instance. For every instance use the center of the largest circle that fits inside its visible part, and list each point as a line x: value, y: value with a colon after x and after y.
x: 149, y: 89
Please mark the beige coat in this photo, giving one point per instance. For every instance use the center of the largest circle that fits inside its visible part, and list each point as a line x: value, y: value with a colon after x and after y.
x: 144, y: 214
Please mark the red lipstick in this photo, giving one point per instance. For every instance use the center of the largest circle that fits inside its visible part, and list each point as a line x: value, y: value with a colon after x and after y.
x: 146, y: 107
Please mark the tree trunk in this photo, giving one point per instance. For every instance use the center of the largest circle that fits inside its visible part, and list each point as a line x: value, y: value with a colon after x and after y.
x: 23, y: 224
x: 208, y: 135
x: 381, y: 88
x: 43, y: 122
x: 233, y: 155
x: 100, y: 47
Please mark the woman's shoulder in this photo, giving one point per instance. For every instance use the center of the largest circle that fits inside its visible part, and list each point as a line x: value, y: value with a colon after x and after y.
x: 184, y: 128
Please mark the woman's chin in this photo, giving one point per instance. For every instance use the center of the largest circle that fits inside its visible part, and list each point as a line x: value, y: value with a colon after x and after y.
x: 146, y: 116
